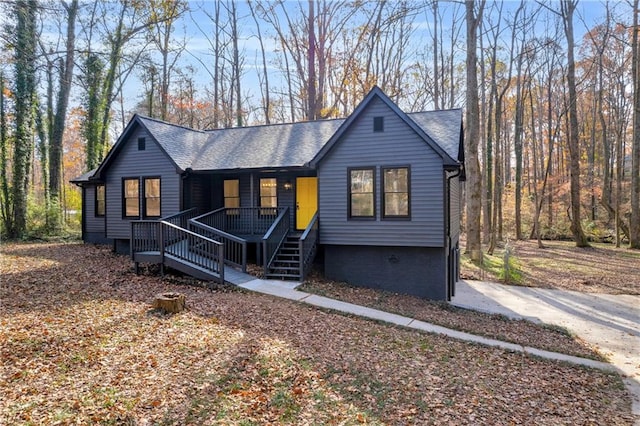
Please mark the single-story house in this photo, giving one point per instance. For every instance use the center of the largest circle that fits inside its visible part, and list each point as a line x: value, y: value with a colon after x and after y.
x: 376, y: 194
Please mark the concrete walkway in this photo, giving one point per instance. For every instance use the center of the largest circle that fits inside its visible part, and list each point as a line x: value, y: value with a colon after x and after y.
x: 610, y: 323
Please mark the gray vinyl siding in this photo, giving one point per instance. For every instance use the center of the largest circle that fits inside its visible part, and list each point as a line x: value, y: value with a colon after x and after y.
x: 454, y: 208
x: 93, y: 224
x: 94, y: 227
x: 398, y: 145
x: 130, y: 163
x: 197, y: 193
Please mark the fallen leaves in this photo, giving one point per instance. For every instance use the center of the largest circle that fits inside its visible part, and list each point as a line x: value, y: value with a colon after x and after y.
x: 79, y: 344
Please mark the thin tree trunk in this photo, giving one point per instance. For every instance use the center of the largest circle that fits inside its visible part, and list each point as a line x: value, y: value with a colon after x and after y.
x: 568, y: 7
x: 59, y: 119
x: 634, y: 224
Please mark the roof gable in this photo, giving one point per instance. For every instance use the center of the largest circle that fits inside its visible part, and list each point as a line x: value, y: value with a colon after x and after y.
x: 376, y: 92
x: 136, y: 121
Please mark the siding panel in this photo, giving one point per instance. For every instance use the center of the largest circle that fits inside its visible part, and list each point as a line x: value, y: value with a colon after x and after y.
x: 93, y: 224
x: 133, y: 163
x: 398, y: 145
x: 454, y: 208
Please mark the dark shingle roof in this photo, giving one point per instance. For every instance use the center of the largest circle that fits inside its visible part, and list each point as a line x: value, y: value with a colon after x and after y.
x: 444, y: 127
x: 180, y: 143
x: 280, y: 145
x: 288, y: 145
x: 84, y: 178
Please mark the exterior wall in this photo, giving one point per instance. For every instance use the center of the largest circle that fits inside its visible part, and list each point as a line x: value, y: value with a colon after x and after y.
x: 131, y: 163
x: 410, y: 270
x: 94, y: 227
x: 397, y: 145
x: 197, y: 193
x: 454, y: 208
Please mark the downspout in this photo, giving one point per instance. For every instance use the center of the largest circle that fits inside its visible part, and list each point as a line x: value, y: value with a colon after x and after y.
x: 450, y: 282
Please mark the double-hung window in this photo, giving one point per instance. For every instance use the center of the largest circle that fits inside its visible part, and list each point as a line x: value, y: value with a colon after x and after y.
x: 362, y: 193
x: 151, y: 197
x: 137, y: 190
x: 100, y: 200
x: 232, y: 196
x: 395, y: 197
x: 131, y: 197
x: 268, y: 195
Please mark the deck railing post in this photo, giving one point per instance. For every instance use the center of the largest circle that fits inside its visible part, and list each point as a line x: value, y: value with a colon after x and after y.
x: 160, y: 231
x: 301, y: 256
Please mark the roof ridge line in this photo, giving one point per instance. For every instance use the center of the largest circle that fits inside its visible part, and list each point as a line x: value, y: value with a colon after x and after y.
x: 157, y: 120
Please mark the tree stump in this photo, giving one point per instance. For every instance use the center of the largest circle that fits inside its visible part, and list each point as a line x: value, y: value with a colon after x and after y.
x: 170, y: 302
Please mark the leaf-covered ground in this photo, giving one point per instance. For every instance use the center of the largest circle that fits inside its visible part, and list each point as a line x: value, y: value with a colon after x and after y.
x: 601, y: 268
x: 495, y: 326
x: 79, y: 344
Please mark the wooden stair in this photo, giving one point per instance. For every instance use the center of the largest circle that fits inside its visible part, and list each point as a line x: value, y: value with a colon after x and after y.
x: 286, y: 264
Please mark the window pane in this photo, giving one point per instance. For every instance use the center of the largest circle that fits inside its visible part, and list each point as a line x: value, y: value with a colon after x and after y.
x: 153, y: 207
x: 151, y: 188
x: 396, y: 192
x: 362, y: 204
x: 268, y: 192
x: 131, y: 198
x: 132, y: 207
x: 396, y: 180
x: 361, y: 181
x: 131, y: 188
x: 268, y: 202
x: 232, y: 188
x: 100, y: 200
x: 396, y: 204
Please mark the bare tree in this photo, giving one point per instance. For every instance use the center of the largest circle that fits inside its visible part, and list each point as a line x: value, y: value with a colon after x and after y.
x: 634, y: 225
x: 163, y: 17
x: 567, y: 9
x: 66, y: 66
x: 472, y: 137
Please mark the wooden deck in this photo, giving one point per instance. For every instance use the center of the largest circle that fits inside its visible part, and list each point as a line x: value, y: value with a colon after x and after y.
x: 231, y: 274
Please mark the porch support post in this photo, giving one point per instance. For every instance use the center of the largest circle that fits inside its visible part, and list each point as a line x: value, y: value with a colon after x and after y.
x: 253, y: 197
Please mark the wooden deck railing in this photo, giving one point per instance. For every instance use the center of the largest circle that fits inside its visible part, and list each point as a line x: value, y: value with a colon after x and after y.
x: 182, y: 218
x: 192, y: 247
x: 308, y: 245
x: 274, y: 237
x: 235, y: 248
x: 241, y: 220
x: 145, y: 236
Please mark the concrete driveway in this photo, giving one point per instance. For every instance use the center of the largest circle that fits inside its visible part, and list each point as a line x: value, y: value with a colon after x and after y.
x: 609, y: 322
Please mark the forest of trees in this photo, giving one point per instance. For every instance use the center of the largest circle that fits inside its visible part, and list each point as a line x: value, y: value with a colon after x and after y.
x: 550, y: 89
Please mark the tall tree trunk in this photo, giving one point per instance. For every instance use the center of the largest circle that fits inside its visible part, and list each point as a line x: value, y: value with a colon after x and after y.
x: 568, y: 7
x: 634, y: 224
x: 474, y: 177
x: 517, y: 146
x: 264, y: 83
x: 5, y: 204
x: 436, y: 73
x: 60, y: 116
x: 25, y: 87
x: 311, y: 82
